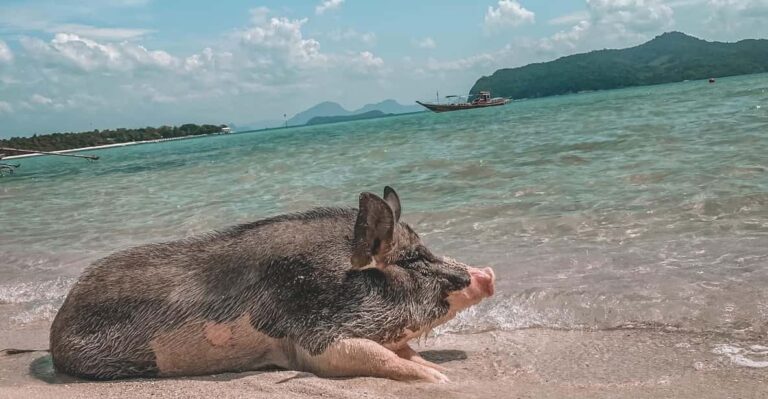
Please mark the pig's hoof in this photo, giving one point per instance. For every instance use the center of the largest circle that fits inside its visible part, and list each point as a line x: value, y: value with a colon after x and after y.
x: 436, y: 376
x: 437, y: 367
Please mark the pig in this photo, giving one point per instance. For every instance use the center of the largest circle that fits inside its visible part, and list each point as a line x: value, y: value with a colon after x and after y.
x: 338, y: 292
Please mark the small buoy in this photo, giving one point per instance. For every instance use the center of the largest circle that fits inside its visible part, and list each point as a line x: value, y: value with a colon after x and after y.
x: 711, y: 80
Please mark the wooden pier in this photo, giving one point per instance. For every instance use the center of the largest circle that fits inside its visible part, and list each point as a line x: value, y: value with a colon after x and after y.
x: 9, y: 168
x: 59, y: 153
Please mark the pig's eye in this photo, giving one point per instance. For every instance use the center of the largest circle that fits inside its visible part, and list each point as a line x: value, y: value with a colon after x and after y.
x: 416, y: 255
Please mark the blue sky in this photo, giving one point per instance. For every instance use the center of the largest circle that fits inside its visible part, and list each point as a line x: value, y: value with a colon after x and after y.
x: 78, y: 65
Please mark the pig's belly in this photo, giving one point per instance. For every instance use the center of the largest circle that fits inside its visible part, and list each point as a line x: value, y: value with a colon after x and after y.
x: 207, y: 347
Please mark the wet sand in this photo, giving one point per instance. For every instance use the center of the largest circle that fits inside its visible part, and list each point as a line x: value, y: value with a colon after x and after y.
x: 532, y: 363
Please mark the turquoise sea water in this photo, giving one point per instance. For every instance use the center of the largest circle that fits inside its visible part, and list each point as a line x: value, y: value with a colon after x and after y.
x: 636, y: 207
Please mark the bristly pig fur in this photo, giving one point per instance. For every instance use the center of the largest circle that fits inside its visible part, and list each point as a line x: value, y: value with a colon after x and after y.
x: 301, y: 281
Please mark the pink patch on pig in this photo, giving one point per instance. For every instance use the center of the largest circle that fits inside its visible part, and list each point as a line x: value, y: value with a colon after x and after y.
x: 217, y: 334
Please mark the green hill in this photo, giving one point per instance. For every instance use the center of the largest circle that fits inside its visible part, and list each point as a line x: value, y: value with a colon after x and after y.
x: 670, y: 57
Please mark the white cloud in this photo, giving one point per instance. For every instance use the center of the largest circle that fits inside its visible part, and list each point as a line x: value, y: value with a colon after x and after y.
x: 368, y: 37
x: 259, y: 15
x: 275, y: 51
x: 271, y: 56
x: 338, y: 35
x: 685, y: 3
x: 609, y: 24
x: 369, y: 60
x: 93, y: 32
x: 568, y: 19
x: 631, y: 17
x: 6, y: 55
x: 569, y: 38
x: 509, y: 13
x: 58, y: 17
x: 127, y: 3
x: 5, y: 107
x: 210, y: 60
x: 362, y: 65
x: 279, y: 43
x: 327, y: 5
x: 89, y: 55
x: 462, y: 64
x: 740, y: 5
x: 734, y: 14
x: 426, y: 42
x: 40, y: 99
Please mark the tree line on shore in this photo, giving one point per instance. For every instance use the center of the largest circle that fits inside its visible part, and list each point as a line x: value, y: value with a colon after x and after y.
x: 71, y: 140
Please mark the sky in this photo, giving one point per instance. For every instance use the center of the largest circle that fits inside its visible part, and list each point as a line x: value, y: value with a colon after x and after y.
x: 70, y: 65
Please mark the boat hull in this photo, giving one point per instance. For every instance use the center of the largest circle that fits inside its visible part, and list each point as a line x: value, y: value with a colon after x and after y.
x: 459, y: 107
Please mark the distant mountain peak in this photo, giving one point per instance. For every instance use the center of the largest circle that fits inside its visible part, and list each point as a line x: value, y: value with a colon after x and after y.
x: 325, y: 108
x: 328, y: 104
x: 675, y: 33
x: 388, y: 106
x: 333, y: 109
x: 674, y: 36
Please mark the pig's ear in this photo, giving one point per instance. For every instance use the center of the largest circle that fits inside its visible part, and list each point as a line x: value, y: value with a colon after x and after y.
x: 374, y: 230
x: 393, y: 200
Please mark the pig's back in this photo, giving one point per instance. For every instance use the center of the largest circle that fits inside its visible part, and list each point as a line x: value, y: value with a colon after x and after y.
x: 124, y: 300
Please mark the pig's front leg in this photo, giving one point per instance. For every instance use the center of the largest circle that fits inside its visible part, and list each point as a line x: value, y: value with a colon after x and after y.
x: 366, y: 358
x: 406, y: 352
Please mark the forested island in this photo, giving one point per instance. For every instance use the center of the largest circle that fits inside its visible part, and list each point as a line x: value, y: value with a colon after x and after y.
x: 670, y: 57
x: 67, y: 141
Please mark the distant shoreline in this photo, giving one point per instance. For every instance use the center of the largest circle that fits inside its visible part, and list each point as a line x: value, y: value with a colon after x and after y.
x: 128, y: 143
x: 390, y: 115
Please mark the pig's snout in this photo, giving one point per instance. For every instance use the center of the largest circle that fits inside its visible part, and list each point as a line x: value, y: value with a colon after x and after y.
x: 483, y: 280
x: 480, y: 286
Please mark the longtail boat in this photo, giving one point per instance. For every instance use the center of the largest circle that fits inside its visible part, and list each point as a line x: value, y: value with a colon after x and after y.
x: 482, y: 100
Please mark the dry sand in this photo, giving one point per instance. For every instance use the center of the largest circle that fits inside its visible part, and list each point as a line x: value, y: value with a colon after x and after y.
x: 534, y: 363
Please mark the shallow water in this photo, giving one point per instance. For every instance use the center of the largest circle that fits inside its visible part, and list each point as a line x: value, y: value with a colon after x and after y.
x: 627, y: 208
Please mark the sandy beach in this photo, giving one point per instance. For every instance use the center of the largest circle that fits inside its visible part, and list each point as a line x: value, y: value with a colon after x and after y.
x: 530, y: 363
